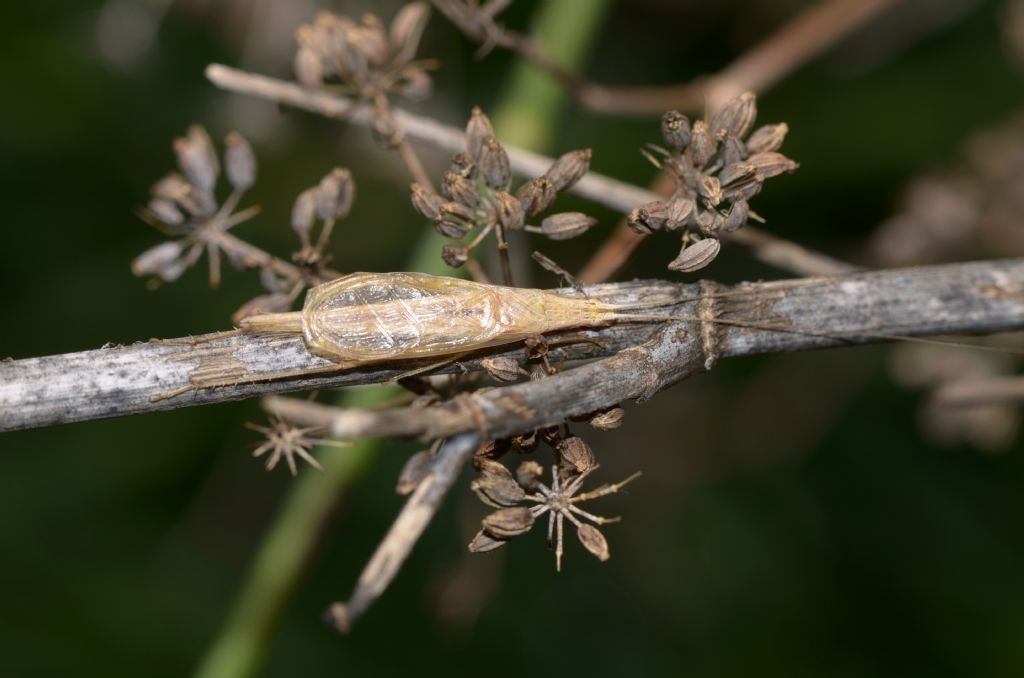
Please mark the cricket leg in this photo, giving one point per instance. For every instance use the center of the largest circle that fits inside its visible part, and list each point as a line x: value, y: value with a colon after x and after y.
x: 219, y: 378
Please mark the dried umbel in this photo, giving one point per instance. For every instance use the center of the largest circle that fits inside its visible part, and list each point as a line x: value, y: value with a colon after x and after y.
x: 367, y: 59
x: 717, y: 169
x: 284, y: 440
x: 184, y: 205
x: 477, y: 198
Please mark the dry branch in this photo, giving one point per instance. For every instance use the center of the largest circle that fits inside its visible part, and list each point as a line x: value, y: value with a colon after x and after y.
x: 810, y: 313
x: 603, y: 190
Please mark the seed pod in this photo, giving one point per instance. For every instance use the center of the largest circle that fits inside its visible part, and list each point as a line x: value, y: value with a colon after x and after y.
x: 675, y: 130
x: 536, y: 195
x: 478, y: 130
x: 426, y: 202
x: 526, y: 442
x: 414, y: 83
x: 502, y: 368
x: 459, y: 188
x: 771, y: 164
x: 678, y: 212
x: 493, y: 163
x: 450, y: 223
x: 576, y: 455
x: 508, y: 522
x: 200, y: 140
x: 483, y: 542
x: 529, y: 473
x: 767, y: 138
x: 406, y: 29
x: 737, y: 216
x: 593, y: 541
x: 702, y: 145
x: 566, y: 225
x: 732, y: 150
x: 736, y: 117
x: 509, y: 211
x: 708, y: 222
x: 309, y: 68
x: 304, y: 213
x: 744, y: 190
x: 166, y: 211
x: 454, y: 256
x: 239, y: 162
x: 497, y: 488
x: 162, y: 261
x: 710, y: 189
x: 463, y: 165
x: 386, y: 131
x: 569, y: 169
x: 608, y: 419
x: 696, y: 256
x: 648, y: 218
x: 335, y: 194
x: 416, y: 468
x: 370, y: 41
x: 171, y: 187
x: 195, y: 165
x: 736, y: 173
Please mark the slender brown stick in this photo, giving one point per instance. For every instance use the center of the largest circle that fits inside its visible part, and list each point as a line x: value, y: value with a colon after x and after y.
x: 404, y: 532
x: 601, y: 189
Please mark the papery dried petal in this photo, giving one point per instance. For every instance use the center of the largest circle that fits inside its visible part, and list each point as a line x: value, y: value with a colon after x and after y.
x: 696, y: 256
x: 239, y: 162
x: 569, y: 169
x: 593, y: 541
x: 508, y: 522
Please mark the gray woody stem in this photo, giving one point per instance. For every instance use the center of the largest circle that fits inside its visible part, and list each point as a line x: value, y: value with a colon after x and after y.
x: 809, y: 313
x: 603, y: 190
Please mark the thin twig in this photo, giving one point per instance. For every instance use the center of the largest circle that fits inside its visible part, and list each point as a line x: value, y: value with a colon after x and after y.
x: 808, y: 313
x: 404, y: 532
x: 603, y: 190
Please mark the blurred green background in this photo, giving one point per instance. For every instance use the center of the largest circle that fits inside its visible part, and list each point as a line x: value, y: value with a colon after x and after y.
x: 795, y: 517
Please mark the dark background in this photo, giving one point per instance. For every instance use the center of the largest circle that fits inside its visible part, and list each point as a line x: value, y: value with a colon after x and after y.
x: 795, y: 517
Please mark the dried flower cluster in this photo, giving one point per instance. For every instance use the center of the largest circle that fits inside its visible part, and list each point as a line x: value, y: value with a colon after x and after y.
x: 717, y: 169
x: 289, y: 441
x: 367, y: 59
x: 512, y: 496
x: 184, y: 206
x: 328, y: 201
x: 476, y: 196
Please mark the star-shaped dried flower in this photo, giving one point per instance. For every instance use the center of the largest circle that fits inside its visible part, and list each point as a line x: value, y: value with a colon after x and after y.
x: 289, y: 441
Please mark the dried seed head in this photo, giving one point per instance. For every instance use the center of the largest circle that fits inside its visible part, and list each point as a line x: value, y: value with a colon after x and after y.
x: 508, y: 522
x: 709, y: 188
x: 478, y: 130
x: 566, y: 225
x: 502, y: 368
x: 648, y: 218
x: 537, y: 195
x: 304, y: 213
x: 696, y: 256
x: 608, y: 419
x: 593, y: 541
x: 163, y: 261
x: 454, y: 256
x: 426, y: 202
x: 335, y: 194
x: 529, y: 473
x: 576, y: 455
x: 459, y: 188
x: 416, y: 468
x: 678, y: 212
x: 239, y: 162
x: 736, y: 117
x: 309, y: 67
x: 166, y: 211
x: 569, y: 169
x: 767, y: 138
x: 509, y: 211
x: 497, y: 488
x: 771, y: 164
x: 493, y: 163
x: 483, y: 542
x: 702, y: 145
x: 737, y: 217
x: 675, y: 130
